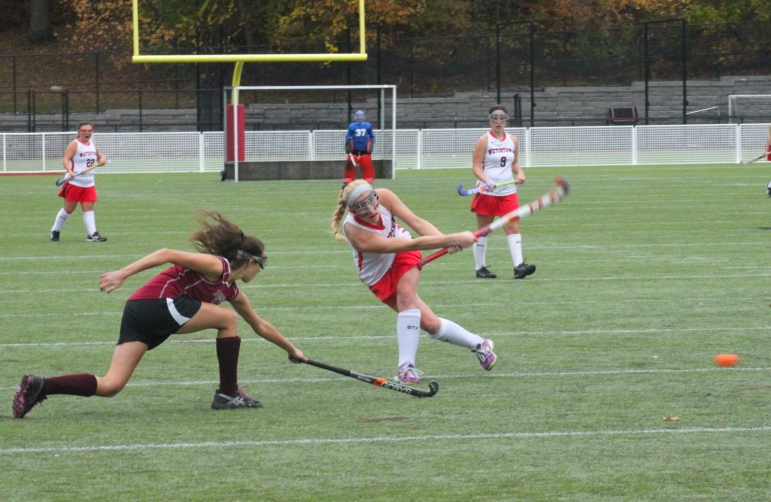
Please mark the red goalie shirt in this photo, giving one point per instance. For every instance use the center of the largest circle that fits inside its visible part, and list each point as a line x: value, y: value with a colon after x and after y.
x: 177, y: 281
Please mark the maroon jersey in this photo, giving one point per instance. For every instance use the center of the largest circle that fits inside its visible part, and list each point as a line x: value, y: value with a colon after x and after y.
x: 177, y: 281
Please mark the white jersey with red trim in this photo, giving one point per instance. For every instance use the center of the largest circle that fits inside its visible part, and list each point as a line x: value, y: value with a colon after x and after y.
x: 373, y: 266
x: 499, y: 156
x: 85, y: 157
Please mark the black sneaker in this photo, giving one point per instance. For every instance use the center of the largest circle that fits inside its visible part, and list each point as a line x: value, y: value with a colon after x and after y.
x: 768, y: 188
x: 55, y: 235
x: 95, y: 237
x: 523, y: 270
x: 28, y: 395
x: 241, y: 400
x: 483, y: 273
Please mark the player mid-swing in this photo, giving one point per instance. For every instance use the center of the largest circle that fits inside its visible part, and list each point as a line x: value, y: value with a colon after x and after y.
x: 387, y: 259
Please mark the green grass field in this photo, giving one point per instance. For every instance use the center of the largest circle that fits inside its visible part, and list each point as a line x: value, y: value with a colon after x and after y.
x: 644, y: 274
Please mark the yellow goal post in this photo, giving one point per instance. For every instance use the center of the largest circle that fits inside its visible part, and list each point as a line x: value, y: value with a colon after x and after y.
x: 246, y: 58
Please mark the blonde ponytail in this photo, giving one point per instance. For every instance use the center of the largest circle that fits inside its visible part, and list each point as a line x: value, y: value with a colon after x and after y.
x: 342, y: 205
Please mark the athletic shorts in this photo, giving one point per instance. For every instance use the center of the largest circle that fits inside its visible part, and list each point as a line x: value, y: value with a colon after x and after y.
x: 385, y: 288
x: 493, y: 205
x: 153, y: 321
x: 74, y: 193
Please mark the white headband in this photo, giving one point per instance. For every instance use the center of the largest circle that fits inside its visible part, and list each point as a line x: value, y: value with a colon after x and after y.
x: 364, y: 187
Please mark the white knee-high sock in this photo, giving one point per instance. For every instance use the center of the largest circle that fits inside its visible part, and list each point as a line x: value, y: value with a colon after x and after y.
x: 480, y: 252
x: 408, y: 335
x: 60, y: 220
x: 515, y: 248
x: 89, y: 220
x: 456, y: 335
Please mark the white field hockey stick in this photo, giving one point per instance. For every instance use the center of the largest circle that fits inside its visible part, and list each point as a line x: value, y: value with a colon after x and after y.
x: 555, y: 195
x: 483, y: 188
x: 353, y: 161
x: 60, y: 182
x: 745, y: 162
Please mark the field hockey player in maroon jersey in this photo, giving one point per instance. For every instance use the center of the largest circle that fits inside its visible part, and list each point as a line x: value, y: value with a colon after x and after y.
x: 182, y: 299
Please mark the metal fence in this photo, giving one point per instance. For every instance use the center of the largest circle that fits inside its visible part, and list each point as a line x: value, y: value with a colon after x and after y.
x: 415, y: 149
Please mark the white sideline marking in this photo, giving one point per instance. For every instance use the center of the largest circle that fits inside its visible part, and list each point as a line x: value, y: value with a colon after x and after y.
x: 379, y: 337
x: 391, y: 439
x: 443, y: 377
x: 432, y: 283
x: 345, y: 252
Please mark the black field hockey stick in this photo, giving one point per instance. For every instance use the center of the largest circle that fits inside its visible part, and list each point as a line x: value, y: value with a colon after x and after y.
x: 482, y: 189
x: 433, y: 387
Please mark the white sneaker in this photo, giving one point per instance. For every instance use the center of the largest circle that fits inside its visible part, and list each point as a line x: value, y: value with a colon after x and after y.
x: 408, y: 374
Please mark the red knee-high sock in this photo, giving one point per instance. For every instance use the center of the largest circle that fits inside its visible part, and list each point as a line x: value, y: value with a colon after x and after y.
x: 81, y: 384
x: 227, y: 355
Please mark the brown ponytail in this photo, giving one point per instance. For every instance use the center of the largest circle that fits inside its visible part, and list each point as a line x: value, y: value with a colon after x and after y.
x: 224, y: 238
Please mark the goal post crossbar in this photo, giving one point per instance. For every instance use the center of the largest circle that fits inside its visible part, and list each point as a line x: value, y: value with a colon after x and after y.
x: 236, y: 90
x: 249, y: 58
x: 732, y: 102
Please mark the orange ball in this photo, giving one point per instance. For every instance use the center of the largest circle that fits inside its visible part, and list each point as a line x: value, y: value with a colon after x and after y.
x: 726, y: 360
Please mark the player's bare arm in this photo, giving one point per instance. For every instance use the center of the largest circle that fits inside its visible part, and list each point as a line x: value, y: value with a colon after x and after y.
x: 69, y: 153
x: 397, y: 208
x: 516, y: 169
x: 369, y: 242
x: 477, y: 160
x: 207, y: 265
x: 265, y: 329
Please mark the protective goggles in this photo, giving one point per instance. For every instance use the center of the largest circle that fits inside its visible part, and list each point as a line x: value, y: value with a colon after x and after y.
x: 367, y: 206
x: 262, y: 261
x: 499, y: 116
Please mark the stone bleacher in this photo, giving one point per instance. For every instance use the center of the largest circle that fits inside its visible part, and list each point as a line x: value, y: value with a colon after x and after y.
x: 555, y: 106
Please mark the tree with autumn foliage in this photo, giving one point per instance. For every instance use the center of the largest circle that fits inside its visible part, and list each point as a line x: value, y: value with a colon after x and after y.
x: 170, y: 24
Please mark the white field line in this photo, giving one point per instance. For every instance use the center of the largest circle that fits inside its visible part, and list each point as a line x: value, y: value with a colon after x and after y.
x: 389, y: 336
x: 476, y: 305
x: 431, y: 283
x: 694, y: 260
x: 515, y: 375
x: 383, y: 439
x: 346, y: 251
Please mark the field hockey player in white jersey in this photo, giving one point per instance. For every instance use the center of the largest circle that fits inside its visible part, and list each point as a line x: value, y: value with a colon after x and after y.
x: 79, y: 157
x: 387, y: 259
x: 495, y: 162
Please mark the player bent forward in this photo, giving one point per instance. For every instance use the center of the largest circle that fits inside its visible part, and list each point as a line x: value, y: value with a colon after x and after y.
x: 387, y: 259
x: 182, y: 299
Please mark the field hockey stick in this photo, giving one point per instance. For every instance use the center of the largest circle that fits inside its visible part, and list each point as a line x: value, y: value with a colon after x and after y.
x: 555, y: 195
x: 353, y: 162
x: 60, y: 182
x: 433, y: 387
x: 482, y: 189
x: 745, y: 162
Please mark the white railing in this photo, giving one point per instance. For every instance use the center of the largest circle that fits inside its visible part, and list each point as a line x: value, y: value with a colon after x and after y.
x: 415, y: 149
